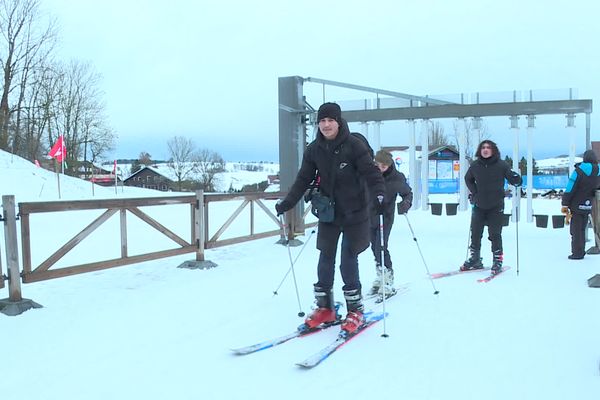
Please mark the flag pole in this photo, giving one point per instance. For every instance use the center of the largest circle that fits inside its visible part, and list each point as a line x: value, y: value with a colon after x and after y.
x: 58, y: 179
x: 115, y: 171
x: 92, y: 180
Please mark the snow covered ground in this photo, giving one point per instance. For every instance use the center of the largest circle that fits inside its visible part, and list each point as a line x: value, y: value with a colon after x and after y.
x: 155, y: 331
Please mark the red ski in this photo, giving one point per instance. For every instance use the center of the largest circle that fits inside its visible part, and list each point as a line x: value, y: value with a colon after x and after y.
x: 457, y: 272
x: 489, y: 278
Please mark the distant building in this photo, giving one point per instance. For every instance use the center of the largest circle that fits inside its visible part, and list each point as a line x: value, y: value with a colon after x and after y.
x: 149, y: 178
x: 443, y: 160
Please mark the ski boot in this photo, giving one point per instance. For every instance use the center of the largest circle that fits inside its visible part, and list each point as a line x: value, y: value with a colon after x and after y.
x: 377, y: 282
x: 354, y: 319
x: 474, y: 261
x: 388, y: 288
x: 325, y: 311
x: 497, y: 262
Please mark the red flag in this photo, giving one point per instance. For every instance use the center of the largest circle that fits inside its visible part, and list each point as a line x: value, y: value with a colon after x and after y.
x: 58, y: 150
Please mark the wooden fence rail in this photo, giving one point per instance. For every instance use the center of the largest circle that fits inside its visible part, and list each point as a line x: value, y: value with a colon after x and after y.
x: 199, y: 231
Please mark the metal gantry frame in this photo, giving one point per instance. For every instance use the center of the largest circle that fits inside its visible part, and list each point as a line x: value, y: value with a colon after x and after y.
x: 295, y: 115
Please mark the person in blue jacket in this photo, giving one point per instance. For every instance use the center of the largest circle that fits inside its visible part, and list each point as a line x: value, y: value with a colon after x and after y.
x: 577, y: 200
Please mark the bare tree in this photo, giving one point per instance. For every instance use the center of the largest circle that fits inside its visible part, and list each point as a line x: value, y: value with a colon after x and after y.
x: 22, y: 48
x: 183, y: 158
x: 437, y: 138
x: 144, y: 159
x: 77, y: 113
x: 472, y: 136
x: 209, y: 164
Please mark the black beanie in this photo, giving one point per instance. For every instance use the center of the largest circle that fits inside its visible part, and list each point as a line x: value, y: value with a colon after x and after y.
x: 330, y: 110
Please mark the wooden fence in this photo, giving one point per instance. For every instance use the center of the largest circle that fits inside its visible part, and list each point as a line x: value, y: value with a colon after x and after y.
x: 199, y: 232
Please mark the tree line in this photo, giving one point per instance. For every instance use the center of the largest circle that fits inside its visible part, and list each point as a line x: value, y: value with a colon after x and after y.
x: 43, y: 97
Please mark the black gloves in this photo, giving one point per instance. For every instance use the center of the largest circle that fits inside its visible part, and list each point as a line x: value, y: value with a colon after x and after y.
x: 472, y: 198
x: 282, y: 206
x: 403, y: 206
x: 515, y: 179
x: 379, y: 204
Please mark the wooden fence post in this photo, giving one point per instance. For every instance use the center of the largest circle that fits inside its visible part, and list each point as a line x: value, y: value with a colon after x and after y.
x: 199, y: 229
x: 15, y: 304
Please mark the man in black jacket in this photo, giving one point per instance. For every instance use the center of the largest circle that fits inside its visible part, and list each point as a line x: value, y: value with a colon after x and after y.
x: 485, y: 180
x: 577, y: 200
x: 395, y: 184
x: 343, y: 164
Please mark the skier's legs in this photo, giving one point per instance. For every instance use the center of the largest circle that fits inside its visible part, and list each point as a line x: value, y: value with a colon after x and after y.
x: 349, y: 266
x: 327, y: 240
x: 477, y: 225
x: 494, y: 223
x: 387, y: 259
x: 375, y: 244
x: 578, y: 225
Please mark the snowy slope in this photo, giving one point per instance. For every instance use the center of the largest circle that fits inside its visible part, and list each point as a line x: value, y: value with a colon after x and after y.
x: 153, y: 331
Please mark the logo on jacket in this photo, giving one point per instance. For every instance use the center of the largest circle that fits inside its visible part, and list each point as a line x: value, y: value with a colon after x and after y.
x: 586, y: 206
x: 343, y: 165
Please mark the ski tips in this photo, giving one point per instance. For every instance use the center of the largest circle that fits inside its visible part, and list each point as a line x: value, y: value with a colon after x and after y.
x: 436, y: 292
x: 301, y: 314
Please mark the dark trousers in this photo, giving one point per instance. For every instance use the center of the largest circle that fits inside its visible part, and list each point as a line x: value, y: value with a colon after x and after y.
x: 354, y: 242
x: 493, y: 219
x: 578, y: 226
x: 376, y: 245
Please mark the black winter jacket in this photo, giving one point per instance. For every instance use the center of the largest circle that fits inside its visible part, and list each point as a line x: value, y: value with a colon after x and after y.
x: 485, y: 180
x: 395, y: 184
x: 583, y: 183
x: 349, y: 160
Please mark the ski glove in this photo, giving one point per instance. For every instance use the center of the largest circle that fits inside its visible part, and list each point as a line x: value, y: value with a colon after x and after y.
x: 403, y: 206
x: 379, y: 205
x: 282, y: 206
x: 515, y: 179
x: 564, y: 210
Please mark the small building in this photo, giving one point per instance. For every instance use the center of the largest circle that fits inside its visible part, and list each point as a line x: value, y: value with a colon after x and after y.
x: 443, y: 160
x: 149, y: 178
x: 443, y: 166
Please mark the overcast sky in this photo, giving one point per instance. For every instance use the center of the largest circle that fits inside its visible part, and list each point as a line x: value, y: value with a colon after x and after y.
x: 209, y: 70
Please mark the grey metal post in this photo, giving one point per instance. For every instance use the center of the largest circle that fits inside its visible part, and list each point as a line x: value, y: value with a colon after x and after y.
x: 425, y: 164
x: 571, y: 127
x: 413, y: 175
x: 530, y: 131
x: 292, y: 140
x: 588, y: 137
x: 514, y: 126
x: 462, y: 161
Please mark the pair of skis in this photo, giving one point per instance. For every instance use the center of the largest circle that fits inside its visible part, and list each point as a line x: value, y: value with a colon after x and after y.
x: 370, y: 318
x: 481, y: 280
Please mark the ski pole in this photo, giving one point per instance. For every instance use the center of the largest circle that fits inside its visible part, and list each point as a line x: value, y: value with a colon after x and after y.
x: 435, y: 291
x: 517, y: 229
x: 276, y: 291
x: 300, y: 313
x: 383, y: 267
